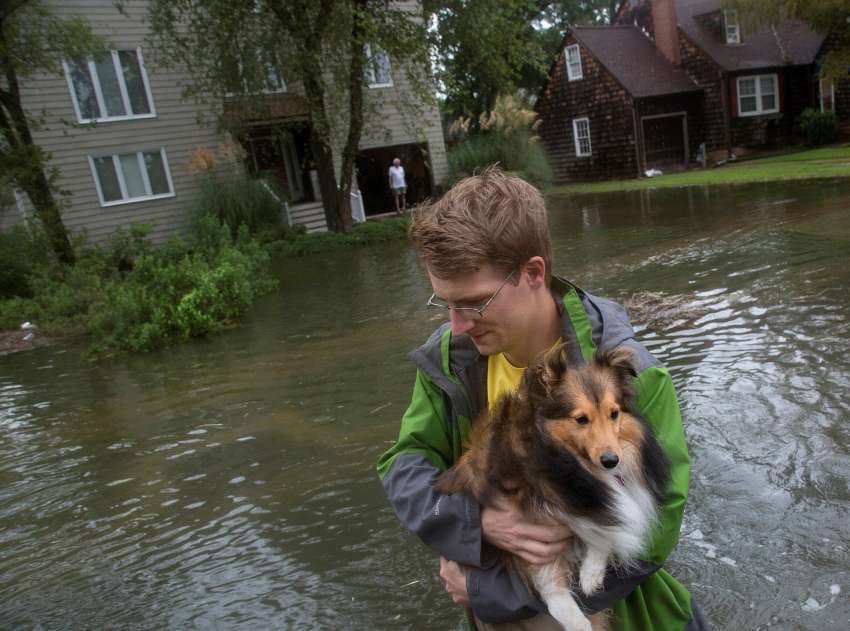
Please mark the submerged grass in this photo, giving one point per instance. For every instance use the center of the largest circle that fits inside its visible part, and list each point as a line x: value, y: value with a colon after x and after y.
x: 827, y: 162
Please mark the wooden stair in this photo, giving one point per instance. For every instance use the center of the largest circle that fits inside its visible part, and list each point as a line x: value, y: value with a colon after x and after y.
x: 310, y: 215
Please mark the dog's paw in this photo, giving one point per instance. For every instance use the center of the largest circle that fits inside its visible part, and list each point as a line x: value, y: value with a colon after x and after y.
x: 591, y: 578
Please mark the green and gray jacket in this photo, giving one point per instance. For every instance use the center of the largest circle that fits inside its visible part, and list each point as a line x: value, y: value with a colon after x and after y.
x: 451, y: 390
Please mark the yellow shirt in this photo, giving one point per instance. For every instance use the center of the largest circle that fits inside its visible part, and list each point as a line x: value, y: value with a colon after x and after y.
x: 503, y: 377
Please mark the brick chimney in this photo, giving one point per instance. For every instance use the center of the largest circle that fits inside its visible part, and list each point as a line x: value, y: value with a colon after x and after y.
x: 664, y: 23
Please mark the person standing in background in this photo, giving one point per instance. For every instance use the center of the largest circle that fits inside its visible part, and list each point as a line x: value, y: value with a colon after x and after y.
x: 398, y: 186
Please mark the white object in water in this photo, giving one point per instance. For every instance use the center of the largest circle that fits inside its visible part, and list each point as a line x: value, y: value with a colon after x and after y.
x: 28, y: 325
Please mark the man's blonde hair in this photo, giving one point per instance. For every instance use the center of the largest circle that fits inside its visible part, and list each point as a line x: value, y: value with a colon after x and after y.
x: 493, y: 218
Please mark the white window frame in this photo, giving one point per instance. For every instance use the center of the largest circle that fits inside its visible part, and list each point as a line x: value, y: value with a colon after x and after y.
x: 116, y: 164
x: 731, y: 26
x: 371, y: 79
x: 757, y: 78
x: 577, y: 138
x: 125, y: 97
x: 571, y: 74
x: 831, y: 95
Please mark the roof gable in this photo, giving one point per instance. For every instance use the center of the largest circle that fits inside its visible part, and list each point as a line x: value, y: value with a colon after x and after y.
x: 791, y: 43
x: 634, y: 61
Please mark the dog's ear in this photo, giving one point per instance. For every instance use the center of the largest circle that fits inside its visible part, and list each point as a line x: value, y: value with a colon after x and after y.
x: 619, y: 360
x: 546, y: 371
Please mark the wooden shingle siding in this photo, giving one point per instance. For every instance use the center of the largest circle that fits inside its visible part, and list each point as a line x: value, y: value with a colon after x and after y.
x: 175, y: 128
x: 598, y: 97
x: 707, y: 75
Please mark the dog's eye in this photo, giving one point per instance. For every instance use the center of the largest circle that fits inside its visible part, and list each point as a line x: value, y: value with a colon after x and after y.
x: 615, y: 414
x: 582, y: 420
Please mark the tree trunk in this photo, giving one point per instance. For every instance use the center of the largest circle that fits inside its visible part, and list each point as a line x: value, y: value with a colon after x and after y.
x: 29, y: 175
x: 47, y: 210
x: 327, y: 180
x: 355, y: 117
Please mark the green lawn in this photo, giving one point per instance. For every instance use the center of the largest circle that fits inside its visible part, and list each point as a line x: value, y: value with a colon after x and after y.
x: 833, y: 161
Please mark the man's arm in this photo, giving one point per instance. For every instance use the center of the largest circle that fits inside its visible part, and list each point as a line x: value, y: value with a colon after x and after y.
x: 450, y: 525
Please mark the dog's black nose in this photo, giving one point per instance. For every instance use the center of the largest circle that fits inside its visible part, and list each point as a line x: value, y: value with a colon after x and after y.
x: 609, y: 460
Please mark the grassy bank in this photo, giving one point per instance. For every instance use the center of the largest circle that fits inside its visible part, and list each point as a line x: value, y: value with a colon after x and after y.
x: 130, y: 295
x: 298, y: 243
x: 826, y: 162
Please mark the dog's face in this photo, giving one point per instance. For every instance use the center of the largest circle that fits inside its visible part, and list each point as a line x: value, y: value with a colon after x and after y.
x: 583, y: 408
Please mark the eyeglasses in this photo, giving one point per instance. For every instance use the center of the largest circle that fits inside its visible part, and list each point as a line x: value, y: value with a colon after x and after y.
x: 475, y: 313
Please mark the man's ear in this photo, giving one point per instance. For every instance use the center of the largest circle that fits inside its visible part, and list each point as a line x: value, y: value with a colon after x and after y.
x: 535, y: 270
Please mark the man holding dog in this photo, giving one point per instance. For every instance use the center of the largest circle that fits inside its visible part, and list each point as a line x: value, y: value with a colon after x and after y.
x: 487, y: 252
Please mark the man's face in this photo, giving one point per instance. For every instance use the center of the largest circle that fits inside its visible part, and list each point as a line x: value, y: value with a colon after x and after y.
x: 500, y: 327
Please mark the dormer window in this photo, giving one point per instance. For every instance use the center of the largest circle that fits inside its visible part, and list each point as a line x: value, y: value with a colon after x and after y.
x: 732, y: 28
x: 573, y: 63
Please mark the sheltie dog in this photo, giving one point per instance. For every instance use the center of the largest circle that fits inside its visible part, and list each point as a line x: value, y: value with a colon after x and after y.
x: 570, y: 446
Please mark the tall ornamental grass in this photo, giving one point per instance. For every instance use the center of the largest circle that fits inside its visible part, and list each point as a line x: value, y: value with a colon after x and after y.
x: 505, y: 136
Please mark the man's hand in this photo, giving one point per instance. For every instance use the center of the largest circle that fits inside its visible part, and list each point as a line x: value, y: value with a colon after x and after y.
x: 454, y: 581
x: 509, y: 529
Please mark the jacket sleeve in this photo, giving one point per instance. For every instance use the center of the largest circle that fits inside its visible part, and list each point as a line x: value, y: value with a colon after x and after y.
x: 660, y: 407
x: 449, y: 524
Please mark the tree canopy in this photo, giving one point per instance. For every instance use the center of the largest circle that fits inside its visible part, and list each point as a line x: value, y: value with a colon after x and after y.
x: 484, y: 48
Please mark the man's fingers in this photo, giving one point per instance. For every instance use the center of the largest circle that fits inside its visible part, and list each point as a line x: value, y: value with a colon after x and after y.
x: 546, y: 534
x: 541, y: 551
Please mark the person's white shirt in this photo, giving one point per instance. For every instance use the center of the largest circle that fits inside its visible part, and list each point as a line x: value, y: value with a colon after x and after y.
x: 397, y: 176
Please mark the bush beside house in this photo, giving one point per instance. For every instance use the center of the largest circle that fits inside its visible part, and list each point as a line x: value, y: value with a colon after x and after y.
x: 819, y: 128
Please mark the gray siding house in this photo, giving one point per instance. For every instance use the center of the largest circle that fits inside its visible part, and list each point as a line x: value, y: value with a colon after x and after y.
x: 123, y: 137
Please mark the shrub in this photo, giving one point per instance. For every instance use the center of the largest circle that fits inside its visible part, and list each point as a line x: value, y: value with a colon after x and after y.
x: 518, y: 152
x: 298, y: 243
x: 23, y: 248
x: 130, y: 295
x: 15, y: 265
x: 506, y: 137
x: 173, y: 294
x: 820, y: 128
x: 237, y: 200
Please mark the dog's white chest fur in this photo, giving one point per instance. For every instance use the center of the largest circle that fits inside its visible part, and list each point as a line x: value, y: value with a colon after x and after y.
x: 634, y: 509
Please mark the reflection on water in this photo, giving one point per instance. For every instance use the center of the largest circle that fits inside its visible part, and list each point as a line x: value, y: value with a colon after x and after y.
x: 229, y: 483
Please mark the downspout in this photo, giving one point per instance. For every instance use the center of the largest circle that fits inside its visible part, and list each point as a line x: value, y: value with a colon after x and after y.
x: 727, y: 115
x: 638, y: 139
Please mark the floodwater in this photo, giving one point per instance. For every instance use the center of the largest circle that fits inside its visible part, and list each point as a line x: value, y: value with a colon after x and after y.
x: 229, y: 483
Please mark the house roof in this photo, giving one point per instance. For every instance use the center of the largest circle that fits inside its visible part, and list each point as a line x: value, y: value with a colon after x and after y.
x: 792, y: 43
x: 634, y: 60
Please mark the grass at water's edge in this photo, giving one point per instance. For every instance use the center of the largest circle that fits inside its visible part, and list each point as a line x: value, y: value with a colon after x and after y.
x: 826, y: 162
x: 301, y: 244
